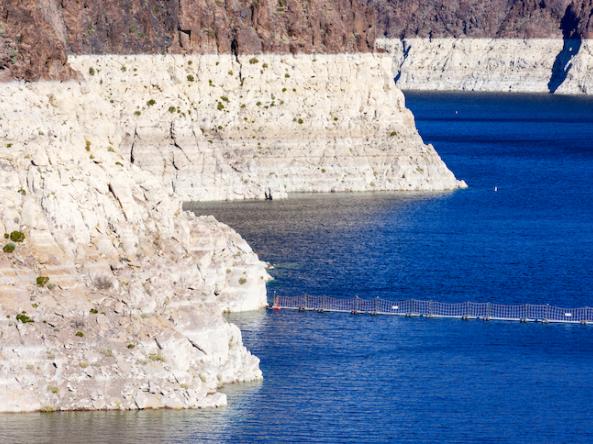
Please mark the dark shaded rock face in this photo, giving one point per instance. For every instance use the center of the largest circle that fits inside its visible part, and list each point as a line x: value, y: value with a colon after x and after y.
x: 35, y: 36
x: 32, y: 41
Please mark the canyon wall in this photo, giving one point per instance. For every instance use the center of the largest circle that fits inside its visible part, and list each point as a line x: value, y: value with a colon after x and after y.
x: 492, y: 65
x: 37, y: 36
x: 111, y: 296
x: 221, y: 127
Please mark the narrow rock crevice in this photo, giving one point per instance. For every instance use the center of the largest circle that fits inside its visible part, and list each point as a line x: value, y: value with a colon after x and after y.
x: 406, y: 47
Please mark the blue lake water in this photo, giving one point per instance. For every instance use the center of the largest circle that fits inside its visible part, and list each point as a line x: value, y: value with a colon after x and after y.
x: 342, y: 378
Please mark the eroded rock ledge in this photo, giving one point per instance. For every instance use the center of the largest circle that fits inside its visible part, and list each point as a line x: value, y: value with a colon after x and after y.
x: 93, y: 174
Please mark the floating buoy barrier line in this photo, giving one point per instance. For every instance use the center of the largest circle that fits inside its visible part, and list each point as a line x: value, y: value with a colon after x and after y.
x: 458, y: 310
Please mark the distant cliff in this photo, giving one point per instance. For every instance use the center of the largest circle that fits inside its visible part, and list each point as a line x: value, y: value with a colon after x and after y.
x: 36, y: 36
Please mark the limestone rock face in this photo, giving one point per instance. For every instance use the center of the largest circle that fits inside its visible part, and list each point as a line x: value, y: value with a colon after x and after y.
x: 114, y: 298
x: 131, y: 315
x: 493, y: 65
x: 217, y: 127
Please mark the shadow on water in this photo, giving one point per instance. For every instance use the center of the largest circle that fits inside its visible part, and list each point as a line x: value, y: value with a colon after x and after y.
x: 570, y: 48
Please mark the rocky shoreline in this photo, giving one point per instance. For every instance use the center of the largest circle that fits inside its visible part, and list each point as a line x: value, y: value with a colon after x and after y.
x: 112, y: 296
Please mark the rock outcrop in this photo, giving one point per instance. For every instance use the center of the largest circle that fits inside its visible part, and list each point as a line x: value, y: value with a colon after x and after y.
x: 221, y: 128
x: 492, y: 65
x: 114, y: 297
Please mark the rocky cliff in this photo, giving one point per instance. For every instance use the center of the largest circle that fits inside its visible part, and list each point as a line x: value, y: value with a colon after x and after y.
x: 220, y: 127
x: 111, y: 296
x: 492, y: 65
x: 36, y: 36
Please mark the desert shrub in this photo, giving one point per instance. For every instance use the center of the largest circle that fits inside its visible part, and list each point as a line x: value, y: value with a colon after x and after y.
x: 92, y: 71
x: 242, y: 280
x: 157, y: 357
x: 220, y: 106
x: 9, y: 248
x: 42, y: 281
x: 17, y: 236
x: 24, y: 318
x: 151, y: 102
x: 172, y: 109
x: 79, y: 334
x: 253, y: 60
x: 93, y: 311
x: 190, y: 78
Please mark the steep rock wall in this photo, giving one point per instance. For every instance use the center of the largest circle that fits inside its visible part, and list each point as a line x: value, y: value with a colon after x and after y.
x: 493, y: 65
x: 92, y: 174
x: 131, y: 314
x: 36, y: 36
x: 217, y: 127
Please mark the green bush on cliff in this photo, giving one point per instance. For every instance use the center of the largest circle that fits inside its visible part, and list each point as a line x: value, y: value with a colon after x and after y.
x: 42, y: 281
x: 17, y: 236
x: 190, y: 78
x: 253, y: 60
x: 9, y: 248
x: 92, y: 71
x: 6, y: 236
x: 22, y: 317
x: 151, y: 102
x: 156, y: 357
x: 220, y: 106
x: 79, y: 334
x: 242, y: 280
x: 172, y: 109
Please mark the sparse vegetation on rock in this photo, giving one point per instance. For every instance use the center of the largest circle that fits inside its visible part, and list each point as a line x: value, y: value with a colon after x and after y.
x: 42, y: 281
x: 17, y: 236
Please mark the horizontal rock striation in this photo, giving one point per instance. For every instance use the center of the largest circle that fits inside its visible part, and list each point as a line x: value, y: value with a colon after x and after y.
x: 220, y: 127
x: 36, y: 36
x: 492, y: 65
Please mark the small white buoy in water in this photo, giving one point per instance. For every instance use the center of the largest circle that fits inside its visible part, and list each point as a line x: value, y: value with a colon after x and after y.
x: 495, y: 188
